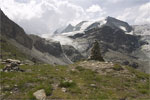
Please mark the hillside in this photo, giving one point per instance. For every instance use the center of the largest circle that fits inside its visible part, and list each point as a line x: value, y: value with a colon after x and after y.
x: 33, y: 46
x: 82, y: 80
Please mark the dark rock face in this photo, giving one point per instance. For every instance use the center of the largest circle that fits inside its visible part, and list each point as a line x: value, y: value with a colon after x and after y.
x: 115, y: 23
x: 94, y: 25
x: 12, y: 30
x: 78, y: 26
x: 115, y: 39
x: 76, y: 35
x: 53, y: 48
x: 47, y: 46
x: 69, y: 28
x: 73, y: 54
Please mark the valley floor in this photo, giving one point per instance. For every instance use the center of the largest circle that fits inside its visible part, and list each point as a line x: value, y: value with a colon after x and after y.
x: 82, y: 80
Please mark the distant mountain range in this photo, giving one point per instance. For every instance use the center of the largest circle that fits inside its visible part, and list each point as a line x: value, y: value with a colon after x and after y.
x: 119, y: 42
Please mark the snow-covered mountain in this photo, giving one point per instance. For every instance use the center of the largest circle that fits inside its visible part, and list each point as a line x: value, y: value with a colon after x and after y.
x: 87, y: 25
x: 80, y: 29
x: 119, y: 41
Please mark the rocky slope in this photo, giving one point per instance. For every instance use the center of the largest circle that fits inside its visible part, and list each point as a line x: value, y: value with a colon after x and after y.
x: 33, y: 46
x: 11, y: 30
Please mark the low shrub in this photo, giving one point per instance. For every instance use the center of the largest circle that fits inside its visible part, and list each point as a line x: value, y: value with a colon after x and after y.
x: 67, y: 84
x: 80, y: 68
x: 117, y: 67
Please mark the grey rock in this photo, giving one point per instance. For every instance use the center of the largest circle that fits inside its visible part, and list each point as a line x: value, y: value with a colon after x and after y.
x: 40, y: 94
x: 92, y: 85
x: 63, y: 89
x: 73, y: 54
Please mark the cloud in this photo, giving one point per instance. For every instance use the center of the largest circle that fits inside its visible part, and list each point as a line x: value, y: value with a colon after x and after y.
x: 42, y: 17
x: 137, y: 15
x: 94, y: 8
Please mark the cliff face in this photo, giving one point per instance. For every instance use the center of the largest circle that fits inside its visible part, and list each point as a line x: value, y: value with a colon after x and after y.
x: 115, y: 39
x: 13, y: 31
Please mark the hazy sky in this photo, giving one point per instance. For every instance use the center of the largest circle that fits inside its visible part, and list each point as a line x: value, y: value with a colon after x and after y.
x: 44, y: 16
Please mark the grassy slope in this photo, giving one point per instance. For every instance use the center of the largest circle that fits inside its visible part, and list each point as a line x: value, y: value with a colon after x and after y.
x: 22, y: 85
x: 10, y: 51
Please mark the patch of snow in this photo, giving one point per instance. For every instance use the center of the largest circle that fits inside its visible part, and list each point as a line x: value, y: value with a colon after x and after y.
x: 64, y: 40
x: 86, y: 25
x: 73, y: 33
x: 102, y: 22
x: 131, y: 33
x: 123, y: 28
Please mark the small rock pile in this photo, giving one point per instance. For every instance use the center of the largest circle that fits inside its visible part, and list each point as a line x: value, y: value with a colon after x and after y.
x: 12, y: 65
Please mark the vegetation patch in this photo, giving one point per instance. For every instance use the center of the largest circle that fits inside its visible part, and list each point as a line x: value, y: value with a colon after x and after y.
x: 67, y: 83
x: 117, y: 67
x: 80, y: 68
x: 10, y: 51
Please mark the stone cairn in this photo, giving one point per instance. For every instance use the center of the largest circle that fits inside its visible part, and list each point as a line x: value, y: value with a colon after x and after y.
x: 12, y: 65
x: 95, y: 52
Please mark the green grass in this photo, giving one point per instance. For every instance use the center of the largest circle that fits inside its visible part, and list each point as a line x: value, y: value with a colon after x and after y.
x: 67, y: 84
x: 117, y: 67
x: 43, y: 76
x: 138, y: 74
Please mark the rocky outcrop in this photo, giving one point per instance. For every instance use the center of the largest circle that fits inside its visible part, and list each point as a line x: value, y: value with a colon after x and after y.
x: 115, y: 23
x: 12, y: 65
x: 49, y: 46
x: 73, y: 54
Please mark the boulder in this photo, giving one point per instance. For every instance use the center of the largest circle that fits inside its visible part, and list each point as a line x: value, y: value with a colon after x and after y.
x: 93, y: 85
x: 40, y: 94
x: 12, y: 61
x: 63, y: 89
